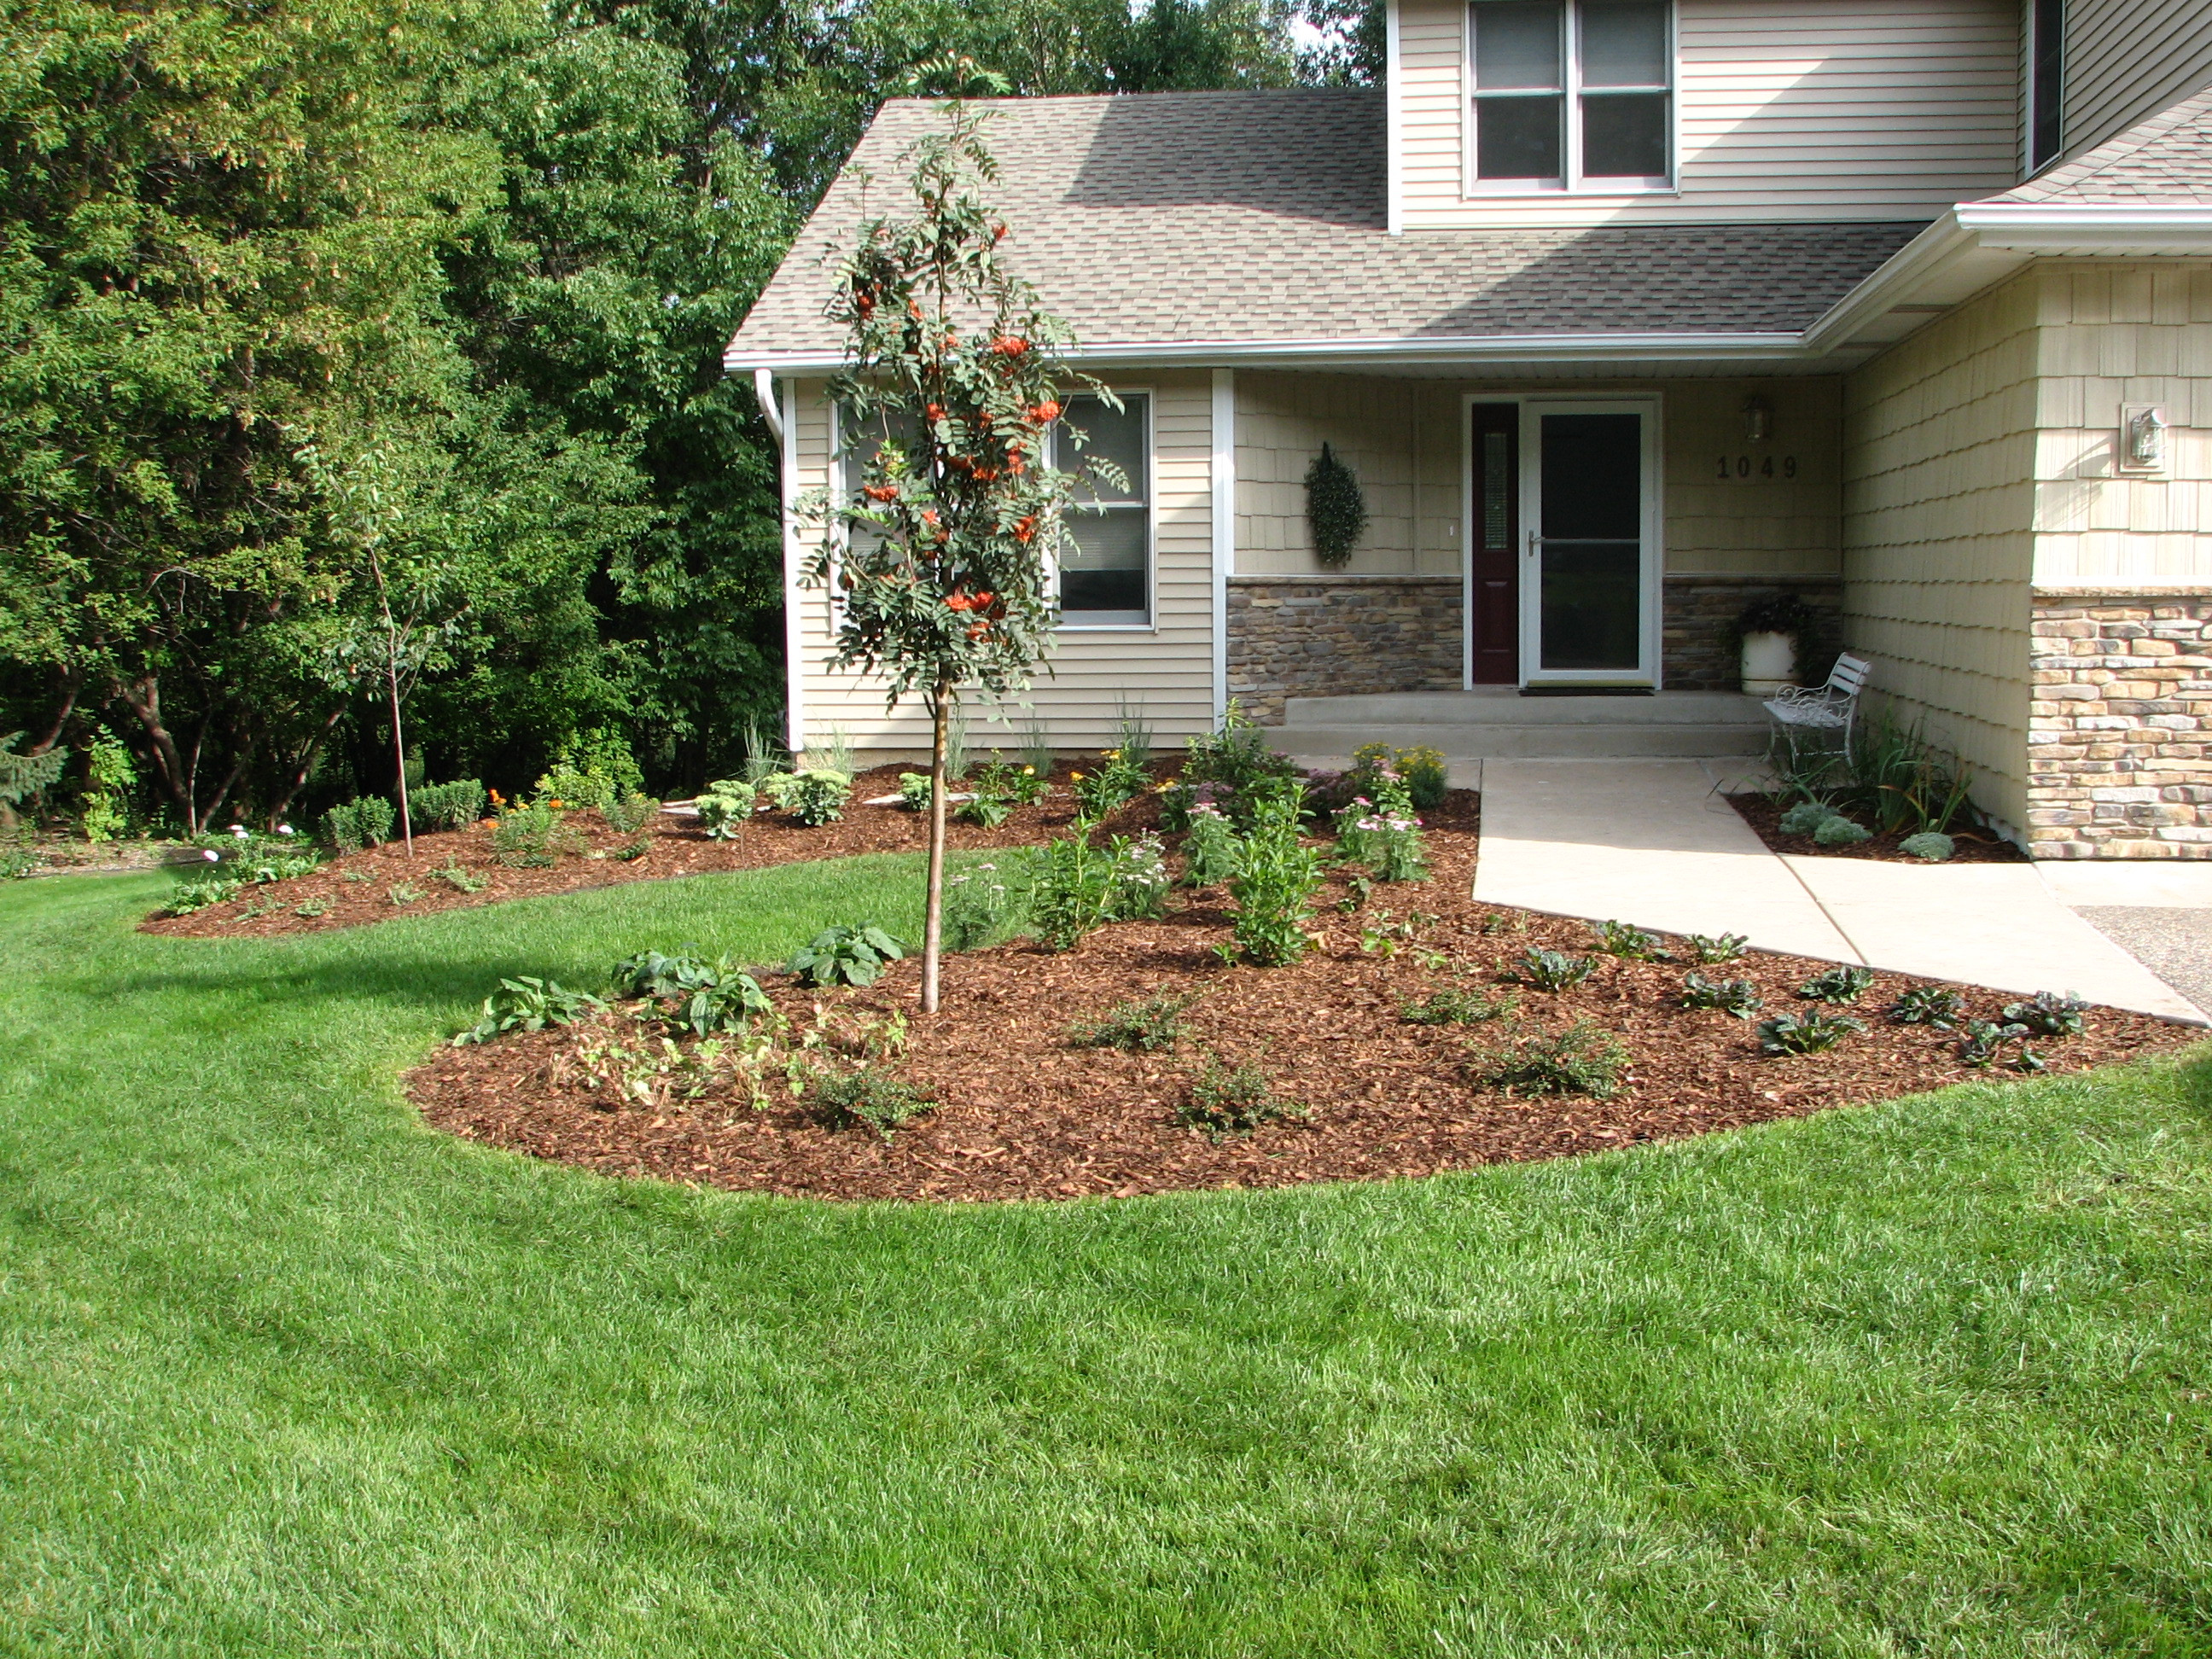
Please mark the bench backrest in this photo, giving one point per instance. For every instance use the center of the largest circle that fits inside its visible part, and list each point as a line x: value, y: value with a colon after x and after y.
x: 1850, y: 674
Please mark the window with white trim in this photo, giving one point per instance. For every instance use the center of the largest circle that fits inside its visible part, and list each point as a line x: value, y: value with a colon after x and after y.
x: 1106, y: 572
x: 1572, y: 94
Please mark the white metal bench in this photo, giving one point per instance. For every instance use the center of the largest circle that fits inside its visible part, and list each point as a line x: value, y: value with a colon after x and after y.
x: 1831, y: 707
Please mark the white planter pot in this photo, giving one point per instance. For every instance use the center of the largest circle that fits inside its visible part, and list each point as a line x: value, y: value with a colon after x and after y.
x: 1769, y: 663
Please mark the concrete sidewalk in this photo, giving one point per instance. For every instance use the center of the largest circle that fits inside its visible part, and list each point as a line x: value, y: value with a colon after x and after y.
x: 1651, y: 842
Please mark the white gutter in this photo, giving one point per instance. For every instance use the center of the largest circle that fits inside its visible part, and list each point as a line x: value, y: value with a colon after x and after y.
x: 2117, y: 226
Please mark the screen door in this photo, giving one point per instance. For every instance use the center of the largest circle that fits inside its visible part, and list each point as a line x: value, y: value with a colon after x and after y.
x: 1589, y: 601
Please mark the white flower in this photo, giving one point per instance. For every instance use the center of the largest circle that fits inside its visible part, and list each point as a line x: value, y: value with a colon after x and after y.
x: 211, y: 855
x: 283, y: 829
x: 240, y: 830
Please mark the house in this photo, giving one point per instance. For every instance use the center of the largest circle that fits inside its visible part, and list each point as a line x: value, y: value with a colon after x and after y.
x: 1626, y: 312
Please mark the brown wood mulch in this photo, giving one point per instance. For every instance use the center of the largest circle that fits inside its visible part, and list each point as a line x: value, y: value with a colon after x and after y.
x: 1023, y: 1112
x: 1764, y: 814
x: 355, y: 890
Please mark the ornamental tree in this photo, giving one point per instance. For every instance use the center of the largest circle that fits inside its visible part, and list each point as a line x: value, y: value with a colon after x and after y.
x: 940, y: 557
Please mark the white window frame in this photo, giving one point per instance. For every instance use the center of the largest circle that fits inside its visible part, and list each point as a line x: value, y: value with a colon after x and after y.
x: 1151, y: 509
x: 1572, y: 182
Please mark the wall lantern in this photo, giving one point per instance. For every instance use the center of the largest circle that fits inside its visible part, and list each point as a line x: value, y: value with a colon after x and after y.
x: 1758, y: 420
x: 2143, y: 438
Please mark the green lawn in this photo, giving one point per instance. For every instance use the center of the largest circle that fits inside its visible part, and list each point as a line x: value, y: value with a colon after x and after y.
x: 283, y: 1373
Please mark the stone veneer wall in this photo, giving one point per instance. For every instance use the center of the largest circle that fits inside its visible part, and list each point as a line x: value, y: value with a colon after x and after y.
x: 2120, y: 726
x: 1694, y: 647
x: 1310, y: 636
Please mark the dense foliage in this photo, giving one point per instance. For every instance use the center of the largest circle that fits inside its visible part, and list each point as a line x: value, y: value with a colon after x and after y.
x: 284, y: 285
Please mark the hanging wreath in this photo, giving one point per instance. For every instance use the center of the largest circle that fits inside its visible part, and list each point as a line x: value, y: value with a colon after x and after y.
x: 1335, y: 509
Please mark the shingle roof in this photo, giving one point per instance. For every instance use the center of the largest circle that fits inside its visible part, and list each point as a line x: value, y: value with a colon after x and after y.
x: 1249, y: 216
x: 2167, y: 158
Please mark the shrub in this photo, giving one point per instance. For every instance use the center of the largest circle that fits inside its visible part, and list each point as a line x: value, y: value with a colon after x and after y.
x: 1553, y: 970
x: 592, y: 768
x: 1728, y: 947
x: 1459, y: 1007
x: 1837, y: 985
x: 915, y: 790
x: 1211, y: 850
x: 1930, y: 846
x: 1928, y: 1005
x: 1274, y: 891
x: 1810, y: 1033
x: 1839, y: 831
x: 2049, y: 1014
x: 1618, y: 939
x: 1423, y: 769
x: 19, y: 863
x: 1225, y: 1100
x: 869, y: 1098
x: 1236, y: 761
x: 695, y: 995
x: 631, y: 813
x: 849, y: 954
x: 524, y: 837
x: 366, y: 822
x: 529, y: 1005
x: 1137, y: 879
x: 724, y: 807
x: 1582, y: 1059
x: 1739, y: 997
x: 814, y: 797
x: 982, y: 904
x: 1147, y: 1024
x: 448, y: 805
x: 1071, y: 892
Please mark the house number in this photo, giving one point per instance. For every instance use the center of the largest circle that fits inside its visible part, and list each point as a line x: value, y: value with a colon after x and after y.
x: 1762, y: 466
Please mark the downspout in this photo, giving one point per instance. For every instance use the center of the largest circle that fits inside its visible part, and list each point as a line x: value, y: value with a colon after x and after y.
x: 1394, y: 124
x: 781, y: 420
x: 1224, y: 509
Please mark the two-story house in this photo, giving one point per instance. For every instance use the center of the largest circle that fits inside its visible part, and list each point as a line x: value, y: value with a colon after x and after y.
x: 1626, y: 312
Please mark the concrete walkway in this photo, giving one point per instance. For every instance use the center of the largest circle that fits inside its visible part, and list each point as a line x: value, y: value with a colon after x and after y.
x: 1651, y: 842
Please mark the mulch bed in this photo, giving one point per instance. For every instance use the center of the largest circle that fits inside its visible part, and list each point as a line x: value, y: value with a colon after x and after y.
x: 357, y: 889
x: 1023, y: 1112
x: 1764, y: 814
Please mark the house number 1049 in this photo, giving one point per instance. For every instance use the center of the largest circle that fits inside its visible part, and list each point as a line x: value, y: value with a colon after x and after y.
x: 1757, y: 466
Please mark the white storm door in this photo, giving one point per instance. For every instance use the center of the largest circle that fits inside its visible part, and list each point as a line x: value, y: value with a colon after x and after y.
x: 1589, y: 587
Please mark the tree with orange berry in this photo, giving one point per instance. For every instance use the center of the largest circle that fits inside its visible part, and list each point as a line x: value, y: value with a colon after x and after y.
x: 941, y: 555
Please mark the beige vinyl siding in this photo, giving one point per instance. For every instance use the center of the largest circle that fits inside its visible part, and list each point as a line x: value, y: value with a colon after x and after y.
x: 1939, y: 444
x: 1168, y: 669
x: 1788, y: 109
x: 2111, y: 334
x: 1402, y: 435
x: 2128, y: 60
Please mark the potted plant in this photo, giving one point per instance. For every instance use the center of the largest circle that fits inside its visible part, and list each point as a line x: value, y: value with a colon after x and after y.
x: 1770, y: 634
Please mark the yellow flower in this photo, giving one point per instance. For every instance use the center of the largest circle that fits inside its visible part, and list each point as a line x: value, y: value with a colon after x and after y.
x: 1075, y: 777
x: 1029, y: 771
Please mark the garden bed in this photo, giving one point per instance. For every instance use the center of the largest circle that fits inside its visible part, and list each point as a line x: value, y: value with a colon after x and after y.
x: 1024, y: 1111
x: 1764, y: 814
x: 357, y: 889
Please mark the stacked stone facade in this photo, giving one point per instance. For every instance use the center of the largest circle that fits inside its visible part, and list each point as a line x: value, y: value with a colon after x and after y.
x: 2120, y: 727
x: 1695, y: 648
x: 1307, y: 637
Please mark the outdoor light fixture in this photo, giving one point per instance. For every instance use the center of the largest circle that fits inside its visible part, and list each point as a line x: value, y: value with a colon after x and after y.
x: 2143, y: 438
x: 1758, y: 420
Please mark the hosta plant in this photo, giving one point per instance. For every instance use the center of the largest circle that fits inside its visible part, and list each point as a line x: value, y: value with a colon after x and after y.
x: 1928, y: 1005
x: 525, y: 1004
x: 849, y: 954
x: 1839, y: 985
x: 1739, y: 997
x: 1706, y: 949
x: 2049, y: 1014
x: 1553, y: 970
x: 692, y: 994
x: 814, y: 797
x: 1809, y: 1033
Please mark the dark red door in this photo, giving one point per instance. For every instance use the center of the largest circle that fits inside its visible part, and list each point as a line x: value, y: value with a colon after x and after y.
x: 1494, y: 596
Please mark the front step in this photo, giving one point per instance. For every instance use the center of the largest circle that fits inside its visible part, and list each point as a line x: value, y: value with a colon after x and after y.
x: 1502, y: 725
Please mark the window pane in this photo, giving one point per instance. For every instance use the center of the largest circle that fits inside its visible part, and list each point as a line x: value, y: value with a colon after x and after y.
x: 1623, y: 42
x: 1110, y: 434
x: 1591, y: 488
x: 1624, y: 136
x: 1592, y: 610
x: 1104, y: 570
x: 1516, y: 45
x: 1517, y: 137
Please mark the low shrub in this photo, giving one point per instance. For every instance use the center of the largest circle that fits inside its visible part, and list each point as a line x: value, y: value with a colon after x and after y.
x: 1143, y: 1026
x: 529, y: 1005
x: 1582, y: 1060
x: 630, y: 813
x: 454, y: 805
x: 915, y: 790
x: 868, y: 1097
x: 1553, y: 970
x: 1809, y: 1033
x: 1739, y: 997
x: 1226, y: 1100
x: 1233, y: 768
x: 1930, y: 846
x: 1618, y: 939
x: 1458, y: 1006
x: 1070, y: 889
x: 20, y: 863
x: 814, y: 797
x: 1840, y: 831
x: 524, y: 838
x: 1273, y: 890
x: 1806, y: 817
x: 983, y: 904
x: 1212, y: 851
x: 1838, y: 985
x: 849, y: 954
x: 1728, y: 947
x: 2049, y: 1014
x: 724, y: 805
x: 591, y: 770
x: 366, y: 822
x: 1928, y: 1005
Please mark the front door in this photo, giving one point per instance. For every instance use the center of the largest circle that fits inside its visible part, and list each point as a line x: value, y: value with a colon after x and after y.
x: 1493, y: 622
x: 1589, y: 552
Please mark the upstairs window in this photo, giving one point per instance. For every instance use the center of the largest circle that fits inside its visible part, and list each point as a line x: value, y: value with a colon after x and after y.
x: 1572, y: 95
x: 2046, y: 83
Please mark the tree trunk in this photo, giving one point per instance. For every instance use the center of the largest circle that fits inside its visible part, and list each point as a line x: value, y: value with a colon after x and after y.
x: 933, y: 925
x: 399, y: 760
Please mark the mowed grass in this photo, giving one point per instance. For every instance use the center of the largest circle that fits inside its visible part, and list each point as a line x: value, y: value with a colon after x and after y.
x: 282, y: 1373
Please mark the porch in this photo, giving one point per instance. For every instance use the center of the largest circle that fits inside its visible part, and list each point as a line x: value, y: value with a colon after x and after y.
x: 1500, y: 723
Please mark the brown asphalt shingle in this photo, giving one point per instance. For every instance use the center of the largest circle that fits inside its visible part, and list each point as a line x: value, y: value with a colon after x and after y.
x: 1240, y: 216
x: 2167, y: 158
